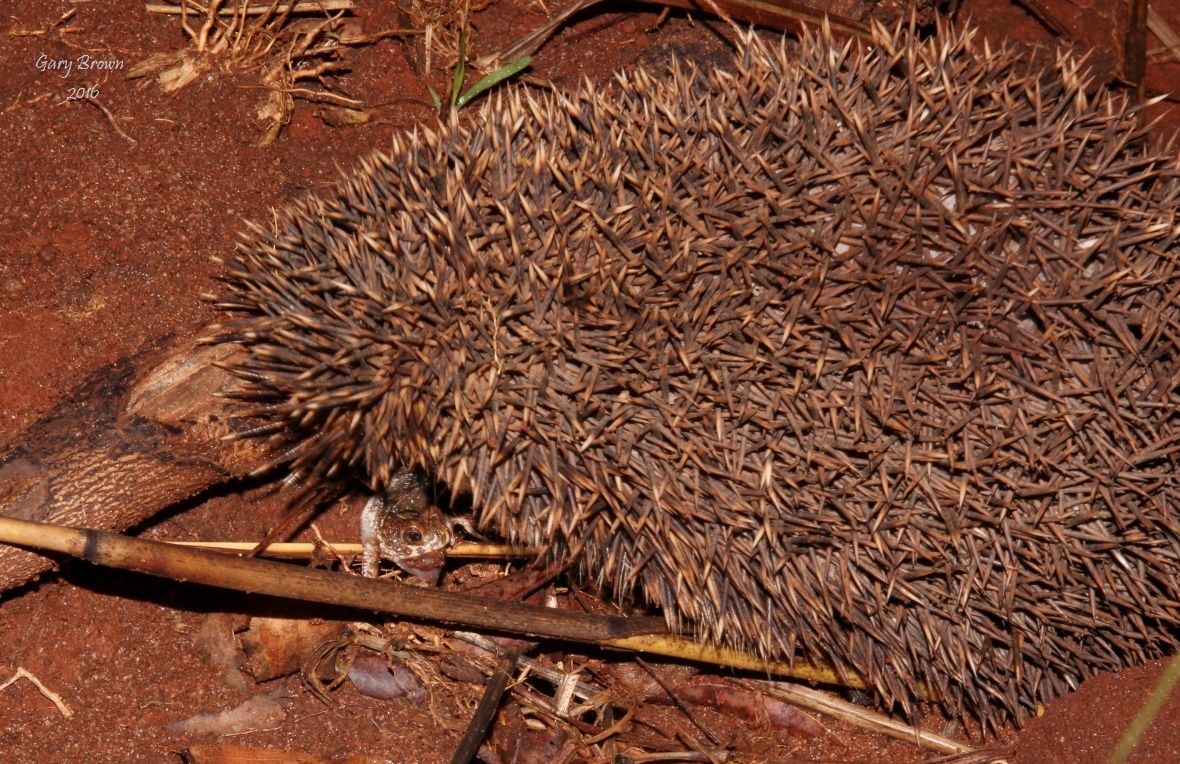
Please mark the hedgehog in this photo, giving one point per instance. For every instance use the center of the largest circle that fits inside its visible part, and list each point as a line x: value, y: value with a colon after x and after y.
x: 864, y: 353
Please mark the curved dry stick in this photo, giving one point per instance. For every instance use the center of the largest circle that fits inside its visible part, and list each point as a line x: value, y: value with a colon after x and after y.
x: 783, y: 15
x: 250, y: 574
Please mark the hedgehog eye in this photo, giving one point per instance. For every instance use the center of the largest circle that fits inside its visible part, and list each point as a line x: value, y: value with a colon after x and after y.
x: 412, y: 537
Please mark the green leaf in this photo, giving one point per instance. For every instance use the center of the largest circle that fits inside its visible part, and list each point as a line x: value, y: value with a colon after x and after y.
x: 460, y: 68
x: 434, y: 97
x: 493, y: 79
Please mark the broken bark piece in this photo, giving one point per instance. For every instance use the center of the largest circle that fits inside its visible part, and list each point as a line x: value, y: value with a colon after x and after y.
x: 132, y: 439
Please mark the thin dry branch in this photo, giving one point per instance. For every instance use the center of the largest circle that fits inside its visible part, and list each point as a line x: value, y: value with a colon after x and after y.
x: 309, y: 6
x: 310, y: 585
x: 676, y: 646
x: 825, y: 703
x: 111, y: 118
x: 306, y: 550
x: 1163, y: 30
x: 23, y: 673
x: 783, y: 15
x: 482, y: 719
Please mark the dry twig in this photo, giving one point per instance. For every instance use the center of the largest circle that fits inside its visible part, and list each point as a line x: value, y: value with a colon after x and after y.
x: 680, y: 704
x: 111, y: 118
x: 1163, y: 30
x: 22, y: 672
x: 303, y: 549
x: 308, y: 6
x: 825, y: 703
x: 482, y: 719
